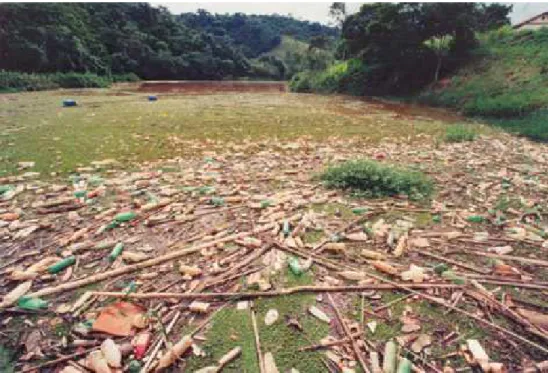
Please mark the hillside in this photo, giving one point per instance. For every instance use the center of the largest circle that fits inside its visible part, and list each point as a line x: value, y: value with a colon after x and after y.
x: 140, y: 39
x: 255, y: 34
x: 505, y: 82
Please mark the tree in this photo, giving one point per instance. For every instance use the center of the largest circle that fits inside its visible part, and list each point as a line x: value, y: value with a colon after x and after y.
x: 440, y: 46
x: 337, y: 11
x: 406, y: 45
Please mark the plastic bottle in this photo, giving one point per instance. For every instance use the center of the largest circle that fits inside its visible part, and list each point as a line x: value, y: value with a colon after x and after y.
x: 440, y: 268
x: 265, y: 203
x: 285, y: 229
x: 359, y: 210
x: 134, y: 366
x: 475, y: 219
x: 404, y: 366
x: 450, y: 275
x: 217, y: 201
x: 295, y: 266
x: 140, y: 343
x: 125, y: 216
x: 62, y: 264
x: 30, y: 303
x: 116, y: 251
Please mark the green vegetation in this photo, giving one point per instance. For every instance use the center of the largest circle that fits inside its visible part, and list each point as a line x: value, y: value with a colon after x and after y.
x: 229, y: 328
x: 460, y: 133
x: 346, y: 76
x: 121, y: 124
x: 427, y: 40
x: 232, y: 327
x: 505, y: 82
x: 255, y: 34
x: 15, y: 81
x: 6, y: 363
x: 373, y: 179
x: 290, y: 57
x: 113, y: 39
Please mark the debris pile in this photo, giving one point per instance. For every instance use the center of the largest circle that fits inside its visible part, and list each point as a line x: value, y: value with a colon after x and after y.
x: 114, y: 270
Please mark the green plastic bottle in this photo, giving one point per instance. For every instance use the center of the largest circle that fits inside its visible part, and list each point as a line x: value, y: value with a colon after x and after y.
x: 80, y: 193
x: 295, y: 266
x: 62, y: 264
x: 359, y: 210
x: 217, y: 201
x: 125, y: 216
x: 440, y: 268
x: 113, y: 224
x: 475, y: 219
x: 404, y: 366
x: 265, y: 203
x: 134, y: 366
x: 115, y: 253
x: 285, y: 228
x: 450, y: 275
x: 31, y: 303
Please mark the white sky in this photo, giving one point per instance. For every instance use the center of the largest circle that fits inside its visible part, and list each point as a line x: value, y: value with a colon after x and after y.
x: 315, y: 11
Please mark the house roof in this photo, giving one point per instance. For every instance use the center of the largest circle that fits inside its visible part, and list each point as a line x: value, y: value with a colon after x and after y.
x: 529, y: 19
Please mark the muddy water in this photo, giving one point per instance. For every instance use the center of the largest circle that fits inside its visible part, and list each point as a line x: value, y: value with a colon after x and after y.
x: 347, y: 105
x: 207, y: 87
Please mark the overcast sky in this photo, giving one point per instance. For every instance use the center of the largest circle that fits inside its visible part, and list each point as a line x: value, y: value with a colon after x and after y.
x: 317, y: 11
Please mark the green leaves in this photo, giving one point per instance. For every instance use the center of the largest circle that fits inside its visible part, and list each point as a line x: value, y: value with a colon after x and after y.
x: 372, y: 179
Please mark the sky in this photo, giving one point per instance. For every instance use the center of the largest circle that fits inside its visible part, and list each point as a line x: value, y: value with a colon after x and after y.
x: 317, y: 12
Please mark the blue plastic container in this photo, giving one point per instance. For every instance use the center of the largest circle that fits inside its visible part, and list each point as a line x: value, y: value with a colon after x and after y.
x: 152, y: 98
x: 69, y: 103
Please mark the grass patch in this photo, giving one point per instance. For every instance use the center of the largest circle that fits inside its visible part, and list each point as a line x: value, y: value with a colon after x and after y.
x: 505, y: 83
x: 7, y: 364
x: 372, y: 179
x: 229, y: 328
x: 460, y: 133
x: 286, y: 354
x: 121, y: 124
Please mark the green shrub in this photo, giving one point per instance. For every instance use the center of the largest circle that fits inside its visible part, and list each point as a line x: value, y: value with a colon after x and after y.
x: 77, y: 80
x: 372, y: 179
x: 459, y: 133
x: 16, y: 81
x: 348, y: 77
x: 129, y: 77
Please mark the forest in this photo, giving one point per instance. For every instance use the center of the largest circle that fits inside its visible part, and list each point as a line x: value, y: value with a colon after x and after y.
x: 143, y: 40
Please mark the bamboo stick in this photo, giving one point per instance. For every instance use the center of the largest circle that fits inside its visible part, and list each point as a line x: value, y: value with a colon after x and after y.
x: 349, y: 335
x: 147, y: 263
x: 269, y: 294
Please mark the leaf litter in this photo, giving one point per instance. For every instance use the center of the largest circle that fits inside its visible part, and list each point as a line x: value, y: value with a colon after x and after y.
x: 122, y: 262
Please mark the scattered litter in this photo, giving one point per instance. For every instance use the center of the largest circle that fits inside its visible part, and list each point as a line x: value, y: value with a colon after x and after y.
x: 319, y: 314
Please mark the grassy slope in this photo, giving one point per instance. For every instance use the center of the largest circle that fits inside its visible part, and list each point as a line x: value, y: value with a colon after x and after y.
x: 288, y: 44
x: 506, y: 81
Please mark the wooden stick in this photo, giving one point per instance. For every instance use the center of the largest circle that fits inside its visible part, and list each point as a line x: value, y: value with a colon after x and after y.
x: 147, y: 263
x: 238, y: 266
x: 257, y: 341
x: 386, y: 305
x: 329, y: 344
x: 537, y: 262
x: 459, y: 310
x: 451, y: 261
x: 318, y: 247
x: 158, y: 345
x: 282, y: 292
x: 57, y: 361
x: 349, y: 335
